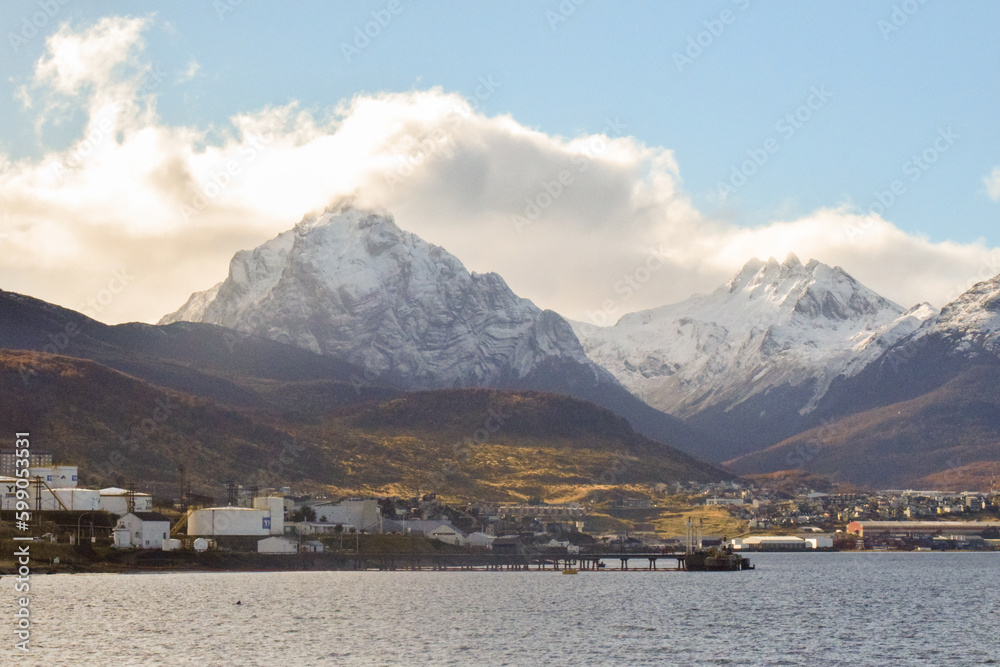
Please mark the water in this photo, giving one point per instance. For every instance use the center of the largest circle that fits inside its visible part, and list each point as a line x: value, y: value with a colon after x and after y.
x: 795, y: 609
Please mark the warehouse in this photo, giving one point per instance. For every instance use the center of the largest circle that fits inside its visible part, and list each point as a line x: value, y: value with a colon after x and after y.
x: 771, y: 543
x: 865, y: 529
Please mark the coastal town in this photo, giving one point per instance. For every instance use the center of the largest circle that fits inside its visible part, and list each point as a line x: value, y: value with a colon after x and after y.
x: 665, y: 519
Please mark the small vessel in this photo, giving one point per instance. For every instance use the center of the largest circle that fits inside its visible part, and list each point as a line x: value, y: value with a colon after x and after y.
x: 571, y: 570
x: 713, y: 560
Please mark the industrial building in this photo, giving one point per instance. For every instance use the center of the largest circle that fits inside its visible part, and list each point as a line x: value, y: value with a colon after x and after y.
x: 360, y: 514
x: 917, y: 529
x: 266, y: 517
x: 770, y: 543
x: 146, y: 530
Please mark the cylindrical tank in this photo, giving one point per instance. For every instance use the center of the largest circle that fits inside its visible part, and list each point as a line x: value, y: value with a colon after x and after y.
x: 276, y: 506
x: 214, y: 521
x: 201, y: 544
x: 74, y: 499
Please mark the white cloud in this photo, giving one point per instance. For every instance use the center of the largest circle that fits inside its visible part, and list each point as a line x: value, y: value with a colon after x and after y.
x: 190, y: 73
x: 576, y: 224
x: 992, y: 182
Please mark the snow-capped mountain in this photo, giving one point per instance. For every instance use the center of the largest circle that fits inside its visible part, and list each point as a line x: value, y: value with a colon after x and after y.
x: 765, y: 346
x: 351, y: 284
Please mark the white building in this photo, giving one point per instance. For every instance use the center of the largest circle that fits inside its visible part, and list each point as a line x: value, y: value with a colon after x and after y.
x: 448, y: 534
x: 277, y: 545
x: 115, y: 501
x: 219, y: 521
x: 362, y: 514
x: 771, y: 543
x: 314, y: 546
x: 146, y: 530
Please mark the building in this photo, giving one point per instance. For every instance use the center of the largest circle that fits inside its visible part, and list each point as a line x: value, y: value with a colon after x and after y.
x: 9, y: 458
x: 266, y: 518
x: 917, y: 529
x: 115, y: 501
x: 277, y: 545
x: 771, y: 543
x: 364, y: 515
x: 146, y: 530
x: 448, y: 534
x: 478, y: 539
x: 314, y: 546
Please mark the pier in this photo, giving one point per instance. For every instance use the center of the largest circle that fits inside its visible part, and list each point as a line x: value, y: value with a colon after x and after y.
x: 583, y: 562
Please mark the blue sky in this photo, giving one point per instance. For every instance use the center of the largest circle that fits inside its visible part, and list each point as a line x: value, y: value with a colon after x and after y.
x: 895, y: 76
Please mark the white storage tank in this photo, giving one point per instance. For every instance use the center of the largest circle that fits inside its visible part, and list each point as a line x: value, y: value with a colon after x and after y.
x: 276, y: 506
x: 74, y: 499
x: 214, y: 521
x: 172, y: 545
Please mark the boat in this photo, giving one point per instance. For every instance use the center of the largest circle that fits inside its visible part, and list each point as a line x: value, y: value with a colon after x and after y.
x: 571, y: 570
x: 713, y: 560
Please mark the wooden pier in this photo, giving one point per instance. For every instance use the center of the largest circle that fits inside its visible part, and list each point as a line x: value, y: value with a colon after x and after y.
x: 583, y: 562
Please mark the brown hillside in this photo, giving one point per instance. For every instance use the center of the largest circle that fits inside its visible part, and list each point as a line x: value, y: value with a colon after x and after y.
x: 929, y: 439
x: 465, y: 443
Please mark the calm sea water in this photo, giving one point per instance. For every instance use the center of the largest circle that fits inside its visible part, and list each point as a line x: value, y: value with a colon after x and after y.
x: 794, y: 609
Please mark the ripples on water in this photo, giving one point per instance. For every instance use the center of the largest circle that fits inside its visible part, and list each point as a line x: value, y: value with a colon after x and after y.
x: 795, y: 609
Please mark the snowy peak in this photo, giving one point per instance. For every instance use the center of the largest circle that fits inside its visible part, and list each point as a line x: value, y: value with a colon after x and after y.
x: 352, y: 284
x: 773, y: 324
x: 813, y: 290
x: 977, y: 310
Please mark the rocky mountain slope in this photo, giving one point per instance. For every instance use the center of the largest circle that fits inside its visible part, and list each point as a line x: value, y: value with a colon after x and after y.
x: 926, y: 411
x: 750, y: 361
x: 353, y: 286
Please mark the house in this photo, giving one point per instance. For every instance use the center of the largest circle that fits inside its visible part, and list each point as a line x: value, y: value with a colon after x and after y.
x: 510, y: 546
x: 277, y: 545
x: 314, y: 546
x: 146, y: 530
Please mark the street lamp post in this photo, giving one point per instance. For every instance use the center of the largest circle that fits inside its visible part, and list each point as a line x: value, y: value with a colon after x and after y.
x: 78, y: 520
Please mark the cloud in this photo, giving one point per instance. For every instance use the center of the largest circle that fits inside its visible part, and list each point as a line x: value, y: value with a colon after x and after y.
x: 992, y: 182
x: 591, y: 226
x: 190, y: 73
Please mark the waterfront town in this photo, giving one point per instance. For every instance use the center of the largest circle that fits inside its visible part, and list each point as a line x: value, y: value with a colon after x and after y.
x: 731, y: 516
